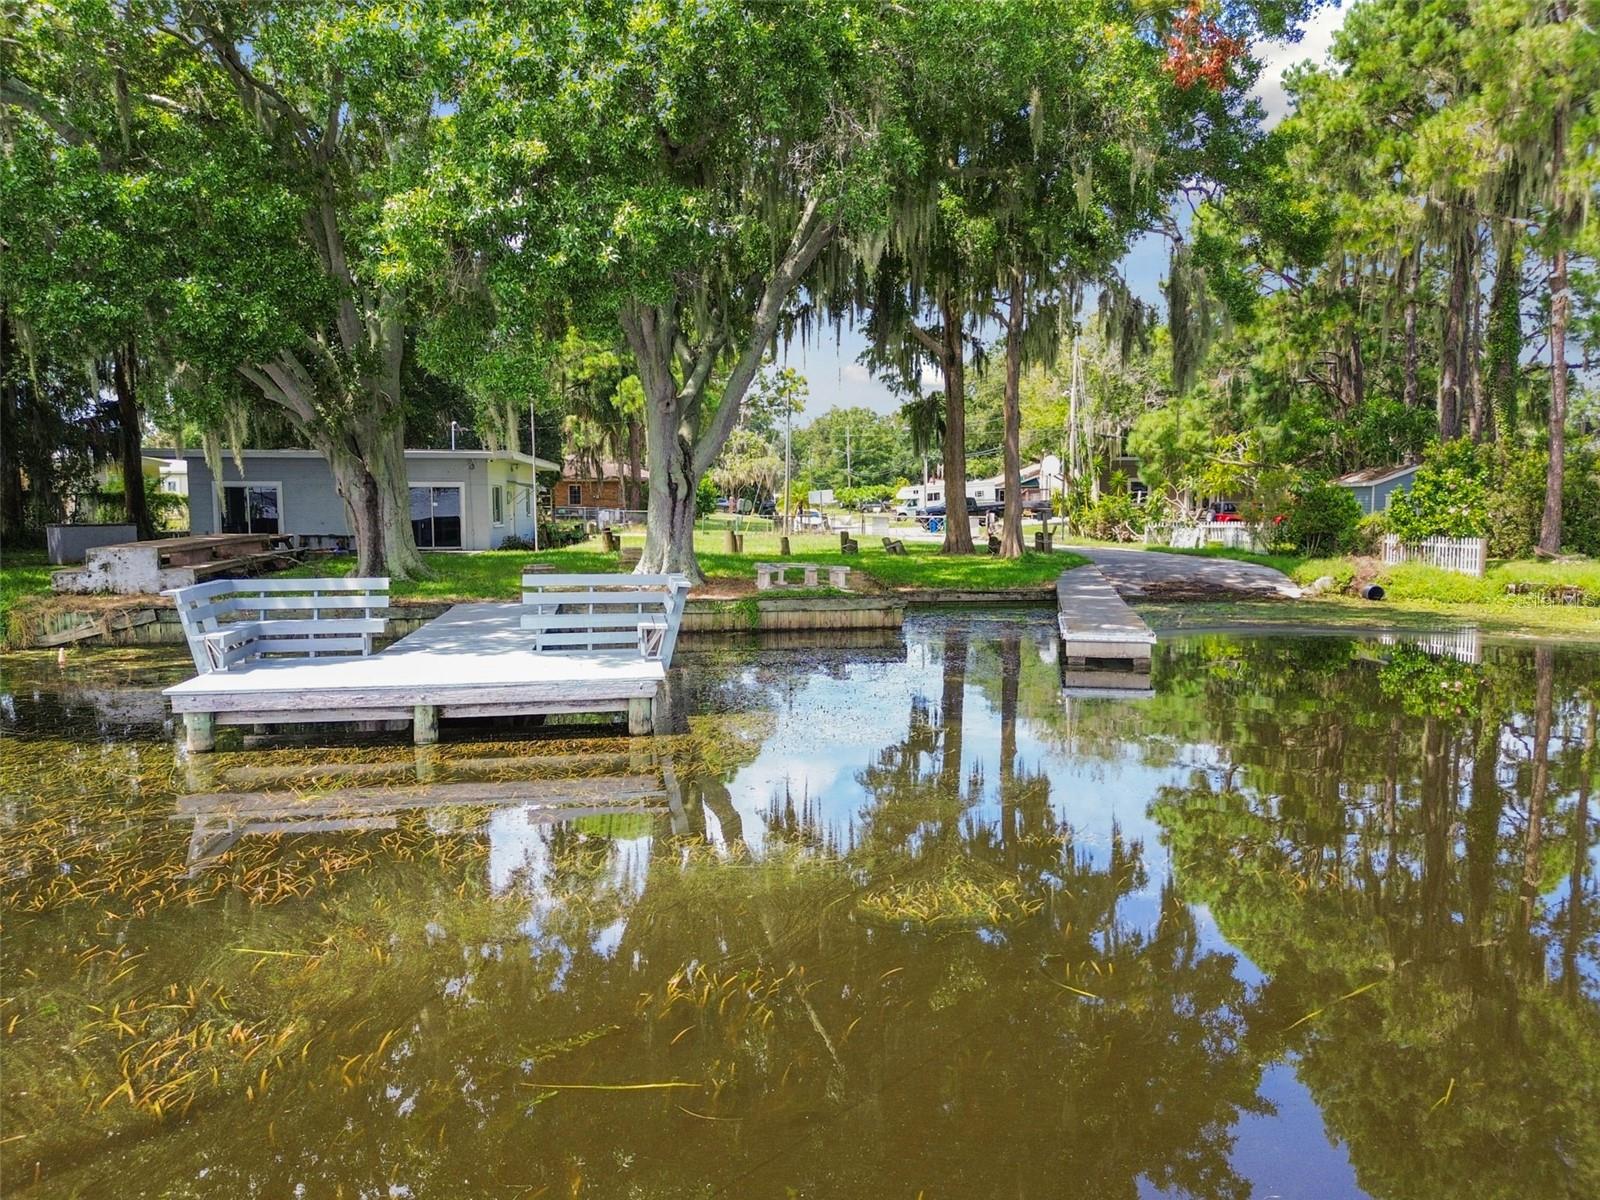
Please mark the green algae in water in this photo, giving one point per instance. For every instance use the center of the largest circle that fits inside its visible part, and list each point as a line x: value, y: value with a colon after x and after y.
x: 1321, y: 916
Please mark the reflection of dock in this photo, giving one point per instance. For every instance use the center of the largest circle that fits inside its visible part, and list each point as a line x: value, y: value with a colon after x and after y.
x: 222, y: 818
x: 1106, y: 685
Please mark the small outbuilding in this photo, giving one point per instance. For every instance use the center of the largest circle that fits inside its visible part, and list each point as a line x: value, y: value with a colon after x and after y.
x: 460, y: 499
x: 1374, y: 486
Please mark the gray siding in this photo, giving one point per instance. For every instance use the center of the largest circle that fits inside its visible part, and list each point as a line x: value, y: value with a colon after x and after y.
x: 310, y: 504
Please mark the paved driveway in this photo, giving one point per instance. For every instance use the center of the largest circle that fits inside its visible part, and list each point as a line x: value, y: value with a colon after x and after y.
x: 1153, y: 573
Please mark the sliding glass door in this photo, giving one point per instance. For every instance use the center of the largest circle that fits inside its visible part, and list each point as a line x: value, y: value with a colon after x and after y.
x: 436, y: 516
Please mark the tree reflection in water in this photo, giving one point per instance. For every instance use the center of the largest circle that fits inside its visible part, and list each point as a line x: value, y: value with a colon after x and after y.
x: 967, y: 987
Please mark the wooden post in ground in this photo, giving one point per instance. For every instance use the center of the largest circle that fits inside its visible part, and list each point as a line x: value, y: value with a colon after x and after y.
x: 425, y: 724
x: 641, y: 716
x: 783, y: 546
x: 199, y: 732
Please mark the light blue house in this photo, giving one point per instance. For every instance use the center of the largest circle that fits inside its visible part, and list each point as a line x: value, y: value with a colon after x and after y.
x: 460, y: 499
x: 1375, y: 485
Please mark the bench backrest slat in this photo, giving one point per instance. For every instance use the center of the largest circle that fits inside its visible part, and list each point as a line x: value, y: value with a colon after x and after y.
x: 567, y: 613
x: 250, y: 608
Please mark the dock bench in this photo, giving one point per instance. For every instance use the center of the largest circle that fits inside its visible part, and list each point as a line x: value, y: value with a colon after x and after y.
x: 587, y: 613
x: 230, y: 622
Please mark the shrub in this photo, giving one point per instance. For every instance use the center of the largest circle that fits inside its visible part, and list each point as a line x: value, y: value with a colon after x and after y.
x: 513, y: 542
x: 1322, y: 519
x: 1449, y: 495
x: 1369, y: 533
x: 705, y: 497
x: 1516, y: 503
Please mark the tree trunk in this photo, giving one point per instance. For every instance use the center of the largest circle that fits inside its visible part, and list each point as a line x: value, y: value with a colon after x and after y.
x: 130, y: 438
x: 1505, y: 334
x: 386, y: 464
x: 1412, y: 268
x: 1011, y: 524
x: 635, y: 453
x: 1560, y: 300
x: 1479, y: 422
x: 1455, y: 330
x: 359, y: 491
x: 669, y: 522
x: 13, y: 502
x: 957, y: 527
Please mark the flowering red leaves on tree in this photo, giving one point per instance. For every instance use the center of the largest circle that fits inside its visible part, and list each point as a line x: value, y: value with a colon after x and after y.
x: 1199, y: 50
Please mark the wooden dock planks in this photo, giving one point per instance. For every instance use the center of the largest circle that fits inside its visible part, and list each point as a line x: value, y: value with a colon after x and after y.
x: 475, y: 660
x: 1096, y: 623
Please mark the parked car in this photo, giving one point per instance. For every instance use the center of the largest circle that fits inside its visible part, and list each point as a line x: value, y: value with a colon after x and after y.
x: 1223, y: 510
x: 875, y: 506
x: 905, y: 509
x: 810, y: 518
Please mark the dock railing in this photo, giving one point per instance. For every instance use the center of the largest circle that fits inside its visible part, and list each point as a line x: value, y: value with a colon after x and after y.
x: 579, y: 613
x: 232, y: 621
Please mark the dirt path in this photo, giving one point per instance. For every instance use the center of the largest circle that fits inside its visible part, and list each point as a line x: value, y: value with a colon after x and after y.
x: 1153, y: 574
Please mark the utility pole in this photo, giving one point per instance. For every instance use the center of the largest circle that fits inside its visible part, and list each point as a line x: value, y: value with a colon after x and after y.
x: 848, y: 480
x: 788, y: 416
x: 533, y: 453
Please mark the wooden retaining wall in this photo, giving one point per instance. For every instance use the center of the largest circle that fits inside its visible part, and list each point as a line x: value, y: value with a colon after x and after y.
x: 155, y: 623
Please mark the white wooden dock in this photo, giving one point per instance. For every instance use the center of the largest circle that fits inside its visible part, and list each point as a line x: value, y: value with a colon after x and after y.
x: 1097, y: 624
x: 476, y: 660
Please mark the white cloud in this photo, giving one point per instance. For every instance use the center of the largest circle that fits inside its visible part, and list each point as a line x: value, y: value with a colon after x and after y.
x: 931, y: 377
x: 1277, y: 57
x: 856, y: 373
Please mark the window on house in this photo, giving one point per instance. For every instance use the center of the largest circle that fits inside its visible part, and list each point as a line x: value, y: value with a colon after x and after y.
x: 250, y: 508
x: 436, y: 516
x: 575, y: 494
x: 497, y: 505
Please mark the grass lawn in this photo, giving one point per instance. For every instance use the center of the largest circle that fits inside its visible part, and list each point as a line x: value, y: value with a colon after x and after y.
x: 497, y: 574
x: 22, y: 573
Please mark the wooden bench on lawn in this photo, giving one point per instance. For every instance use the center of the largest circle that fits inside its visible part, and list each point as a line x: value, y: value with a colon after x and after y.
x: 589, y: 613
x: 776, y: 575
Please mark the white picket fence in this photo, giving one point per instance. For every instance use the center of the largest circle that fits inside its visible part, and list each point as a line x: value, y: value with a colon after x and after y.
x: 1235, y: 535
x: 1467, y: 556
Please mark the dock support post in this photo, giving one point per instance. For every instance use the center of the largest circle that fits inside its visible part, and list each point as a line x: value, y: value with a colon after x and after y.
x: 641, y: 716
x: 199, y: 732
x: 425, y: 724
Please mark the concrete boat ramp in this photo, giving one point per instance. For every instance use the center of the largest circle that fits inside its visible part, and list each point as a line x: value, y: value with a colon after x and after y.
x: 1105, y: 645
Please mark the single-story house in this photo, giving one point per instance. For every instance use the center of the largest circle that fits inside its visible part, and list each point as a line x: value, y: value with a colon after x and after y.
x: 585, y: 484
x: 1374, y: 486
x: 1040, y: 481
x: 460, y: 499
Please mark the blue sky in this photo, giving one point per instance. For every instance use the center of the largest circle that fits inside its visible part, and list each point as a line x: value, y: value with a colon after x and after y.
x: 838, y: 381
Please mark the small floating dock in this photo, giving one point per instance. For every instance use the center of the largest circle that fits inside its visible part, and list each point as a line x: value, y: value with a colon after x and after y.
x: 296, y: 651
x: 474, y: 661
x: 1097, y: 625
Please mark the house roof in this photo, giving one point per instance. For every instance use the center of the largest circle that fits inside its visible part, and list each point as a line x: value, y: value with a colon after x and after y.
x: 543, y: 464
x: 579, y: 471
x: 1369, y: 476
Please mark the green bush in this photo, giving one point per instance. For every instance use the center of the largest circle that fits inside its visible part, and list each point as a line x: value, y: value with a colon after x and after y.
x: 1516, y: 503
x: 1369, y: 533
x: 1322, y: 519
x: 1449, y: 495
x: 1114, y: 517
x: 705, y: 497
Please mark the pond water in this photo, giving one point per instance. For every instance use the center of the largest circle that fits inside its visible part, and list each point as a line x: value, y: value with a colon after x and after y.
x: 1318, y: 918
